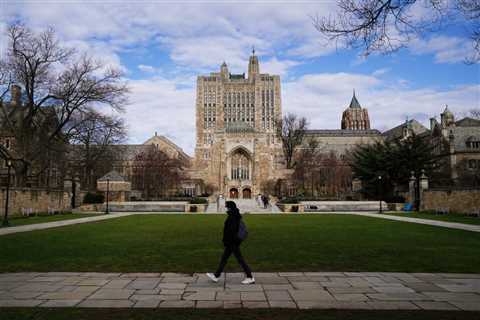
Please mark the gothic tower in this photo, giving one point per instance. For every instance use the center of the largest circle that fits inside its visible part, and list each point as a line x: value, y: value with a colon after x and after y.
x: 355, y: 117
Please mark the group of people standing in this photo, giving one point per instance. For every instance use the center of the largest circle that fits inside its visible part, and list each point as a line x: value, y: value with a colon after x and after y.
x: 263, y: 200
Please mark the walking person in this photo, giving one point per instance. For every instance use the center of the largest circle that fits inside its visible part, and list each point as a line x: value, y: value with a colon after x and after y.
x: 234, y: 232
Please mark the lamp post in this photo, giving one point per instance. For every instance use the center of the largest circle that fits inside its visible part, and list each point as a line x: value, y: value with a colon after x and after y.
x: 108, y: 190
x: 379, y: 193
x: 5, y: 217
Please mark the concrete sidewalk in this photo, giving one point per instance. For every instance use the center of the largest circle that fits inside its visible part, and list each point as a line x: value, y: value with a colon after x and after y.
x: 55, y: 224
x: 302, y: 290
x: 430, y: 222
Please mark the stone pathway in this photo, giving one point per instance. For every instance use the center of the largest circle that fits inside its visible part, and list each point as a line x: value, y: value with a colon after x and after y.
x: 452, y: 225
x: 302, y: 290
x: 48, y: 225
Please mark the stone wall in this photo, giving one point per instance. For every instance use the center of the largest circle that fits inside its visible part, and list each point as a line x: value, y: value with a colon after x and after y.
x: 26, y: 200
x: 454, y: 201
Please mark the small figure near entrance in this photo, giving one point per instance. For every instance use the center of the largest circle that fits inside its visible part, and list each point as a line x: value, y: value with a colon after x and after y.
x: 234, y: 232
x: 265, y: 200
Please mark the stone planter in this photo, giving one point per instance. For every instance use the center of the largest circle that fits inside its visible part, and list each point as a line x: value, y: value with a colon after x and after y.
x: 291, y: 207
x: 196, y: 207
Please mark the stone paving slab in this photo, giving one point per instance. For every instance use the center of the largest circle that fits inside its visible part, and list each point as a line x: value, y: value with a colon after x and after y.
x: 324, y: 290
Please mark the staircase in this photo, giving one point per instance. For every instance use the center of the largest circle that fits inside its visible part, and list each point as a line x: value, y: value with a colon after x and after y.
x: 244, y: 205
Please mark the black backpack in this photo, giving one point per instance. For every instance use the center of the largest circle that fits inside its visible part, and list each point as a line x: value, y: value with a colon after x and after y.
x: 242, y: 231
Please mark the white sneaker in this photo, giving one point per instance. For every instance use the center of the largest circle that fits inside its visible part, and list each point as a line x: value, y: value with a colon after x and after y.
x: 212, y: 277
x: 249, y: 280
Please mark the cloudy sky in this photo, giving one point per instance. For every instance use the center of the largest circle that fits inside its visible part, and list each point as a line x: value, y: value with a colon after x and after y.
x: 162, y: 46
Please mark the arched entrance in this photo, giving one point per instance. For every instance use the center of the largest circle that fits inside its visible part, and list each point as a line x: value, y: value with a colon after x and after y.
x: 234, y: 193
x: 246, y: 193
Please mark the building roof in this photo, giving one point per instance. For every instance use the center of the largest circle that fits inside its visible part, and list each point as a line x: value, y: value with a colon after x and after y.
x: 343, y: 132
x: 112, y: 176
x: 354, y: 104
x: 468, y: 122
x: 397, y: 132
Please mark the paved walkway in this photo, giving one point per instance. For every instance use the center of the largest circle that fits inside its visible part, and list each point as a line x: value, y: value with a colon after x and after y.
x: 48, y: 225
x: 302, y: 290
x: 437, y: 223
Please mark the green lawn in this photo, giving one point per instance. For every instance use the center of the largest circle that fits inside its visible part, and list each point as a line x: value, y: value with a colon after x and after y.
x: 20, y: 221
x: 215, y: 314
x: 450, y: 217
x: 192, y: 243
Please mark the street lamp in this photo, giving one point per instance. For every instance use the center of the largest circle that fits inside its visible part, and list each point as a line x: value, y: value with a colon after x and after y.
x: 108, y: 190
x: 379, y: 193
x: 5, y: 217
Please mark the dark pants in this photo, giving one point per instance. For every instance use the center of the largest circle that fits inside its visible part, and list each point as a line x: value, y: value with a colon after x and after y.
x: 236, y: 252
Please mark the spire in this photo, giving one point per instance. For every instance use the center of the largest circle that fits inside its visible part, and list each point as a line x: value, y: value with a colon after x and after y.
x: 224, y: 70
x: 253, y: 66
x: 354, y: 104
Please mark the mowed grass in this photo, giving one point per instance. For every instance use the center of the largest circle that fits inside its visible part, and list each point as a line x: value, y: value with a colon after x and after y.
x: 192, y: 243
x: 21, y: 221
x: 449, y: 217
x: 216, y: 314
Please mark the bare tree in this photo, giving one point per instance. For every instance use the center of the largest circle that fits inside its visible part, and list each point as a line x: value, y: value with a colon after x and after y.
x: 387, y: 25
x: 92, y: 135
x: 157, y: 174
x: 291, y: 131
x: 5, y: 80
x: 57, y: 84
x: 307, y: 163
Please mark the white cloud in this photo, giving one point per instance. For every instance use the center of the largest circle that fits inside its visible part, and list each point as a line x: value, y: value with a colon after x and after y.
x: 380, y: 72
x: 323, y: 97
x: 445, y: 49
x: 315, y: 47
x: 209, y: 52
x: 275, y: 66
x: 147, y: 68
x: 161, y: 105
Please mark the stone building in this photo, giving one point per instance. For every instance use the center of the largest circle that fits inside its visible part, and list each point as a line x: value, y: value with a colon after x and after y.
x: 458, y: 143
x: 405, y: 130
x: 236, y: 148
x: 355, y: 130
x: 355, y: 117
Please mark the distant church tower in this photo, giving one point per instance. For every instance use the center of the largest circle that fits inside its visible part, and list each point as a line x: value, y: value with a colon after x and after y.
x: 354, y: 117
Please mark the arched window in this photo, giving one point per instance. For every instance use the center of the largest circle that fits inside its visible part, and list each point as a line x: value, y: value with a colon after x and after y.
x: 240, y: 166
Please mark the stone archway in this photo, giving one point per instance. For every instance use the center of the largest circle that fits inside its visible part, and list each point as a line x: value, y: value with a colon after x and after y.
x: 233, y: 194
x: 247, y: 193
x: 240, y: 165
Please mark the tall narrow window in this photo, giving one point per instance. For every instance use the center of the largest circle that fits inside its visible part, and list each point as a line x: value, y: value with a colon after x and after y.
x: 240, y: 169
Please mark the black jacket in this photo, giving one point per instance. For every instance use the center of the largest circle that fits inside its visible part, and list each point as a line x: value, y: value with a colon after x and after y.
x: 230, y: 228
